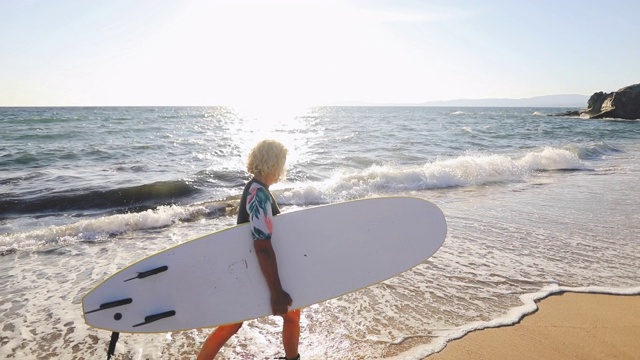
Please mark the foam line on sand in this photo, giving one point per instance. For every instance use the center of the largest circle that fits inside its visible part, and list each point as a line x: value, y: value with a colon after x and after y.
x: 566, y: 325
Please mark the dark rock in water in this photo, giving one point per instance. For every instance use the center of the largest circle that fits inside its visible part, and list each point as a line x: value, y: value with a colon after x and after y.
x: 621, y: 104
x: 568, y: 113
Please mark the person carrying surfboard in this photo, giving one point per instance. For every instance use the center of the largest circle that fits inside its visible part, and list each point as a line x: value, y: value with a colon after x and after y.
x: 257, y: 206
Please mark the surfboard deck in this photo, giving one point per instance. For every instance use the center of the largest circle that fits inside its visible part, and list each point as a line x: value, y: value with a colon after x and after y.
x: 322, y: 252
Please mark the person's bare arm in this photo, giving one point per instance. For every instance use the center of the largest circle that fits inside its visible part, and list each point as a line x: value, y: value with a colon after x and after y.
x: 280, y: 299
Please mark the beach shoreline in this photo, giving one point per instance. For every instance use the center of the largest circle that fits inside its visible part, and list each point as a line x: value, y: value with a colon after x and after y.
x: 566, y: 325
x: 534, y: 205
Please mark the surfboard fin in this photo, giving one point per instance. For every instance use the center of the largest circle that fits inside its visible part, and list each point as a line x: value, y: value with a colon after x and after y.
x: 144, y: 274
x: 112, y: 304
x: 155, y: 317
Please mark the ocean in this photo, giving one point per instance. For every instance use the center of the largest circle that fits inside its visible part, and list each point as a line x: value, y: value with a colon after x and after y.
x: 535, y: 205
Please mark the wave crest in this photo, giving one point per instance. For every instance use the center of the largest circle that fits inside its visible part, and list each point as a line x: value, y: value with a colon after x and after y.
x: 102, y: 228
x: 467, y: 170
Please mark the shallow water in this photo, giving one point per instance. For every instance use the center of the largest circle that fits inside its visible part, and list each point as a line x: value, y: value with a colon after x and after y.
x: 534, y: 205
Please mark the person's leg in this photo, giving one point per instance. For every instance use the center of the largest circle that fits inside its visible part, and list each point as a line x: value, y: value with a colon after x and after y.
x: 291, y: 333
x: 216, y: 340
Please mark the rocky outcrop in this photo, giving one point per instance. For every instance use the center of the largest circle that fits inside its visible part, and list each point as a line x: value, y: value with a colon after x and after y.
x: 568, y: 113
x: 621, y: 104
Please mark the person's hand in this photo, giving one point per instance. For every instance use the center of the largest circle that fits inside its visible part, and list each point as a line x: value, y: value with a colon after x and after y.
x: 280, y: 302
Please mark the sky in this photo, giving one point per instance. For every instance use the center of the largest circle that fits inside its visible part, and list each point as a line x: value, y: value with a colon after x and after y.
x: 276, y: 53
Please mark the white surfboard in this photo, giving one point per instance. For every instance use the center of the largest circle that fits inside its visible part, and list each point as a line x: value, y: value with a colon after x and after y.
x: 322, y: 252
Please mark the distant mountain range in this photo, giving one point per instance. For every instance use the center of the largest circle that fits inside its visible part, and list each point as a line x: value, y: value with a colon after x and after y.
x: 570, y: 100
x: 562, y: 101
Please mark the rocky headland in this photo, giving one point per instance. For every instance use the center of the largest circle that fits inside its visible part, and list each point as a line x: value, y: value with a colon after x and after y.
x: 621, y: 104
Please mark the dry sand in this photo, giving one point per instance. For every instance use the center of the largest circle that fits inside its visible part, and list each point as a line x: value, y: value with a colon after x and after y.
x: 567, y: 326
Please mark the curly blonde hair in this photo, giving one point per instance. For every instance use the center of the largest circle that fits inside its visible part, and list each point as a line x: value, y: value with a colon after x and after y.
x: 267, y: 157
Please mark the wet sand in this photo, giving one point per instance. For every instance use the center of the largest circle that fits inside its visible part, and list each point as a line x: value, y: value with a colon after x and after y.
x: 566, y: 326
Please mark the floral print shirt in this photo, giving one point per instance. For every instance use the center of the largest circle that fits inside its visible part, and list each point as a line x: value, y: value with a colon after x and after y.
x: 259, y: 209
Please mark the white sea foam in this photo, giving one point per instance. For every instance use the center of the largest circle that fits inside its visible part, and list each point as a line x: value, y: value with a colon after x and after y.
x: 551, y: 159
x: 463, y: 171
x: 98, y: 229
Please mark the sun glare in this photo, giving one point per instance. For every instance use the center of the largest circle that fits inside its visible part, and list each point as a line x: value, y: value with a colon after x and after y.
x: 268, y: 58
x: 263, y: 55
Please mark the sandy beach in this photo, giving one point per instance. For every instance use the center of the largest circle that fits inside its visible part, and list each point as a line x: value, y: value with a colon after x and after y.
x: 566, y: 326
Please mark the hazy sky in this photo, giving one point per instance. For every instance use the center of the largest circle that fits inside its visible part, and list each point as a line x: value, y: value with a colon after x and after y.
x: 260, y: 53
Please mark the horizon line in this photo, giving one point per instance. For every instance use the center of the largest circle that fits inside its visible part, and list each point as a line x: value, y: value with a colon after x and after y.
x: 357, y: 103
